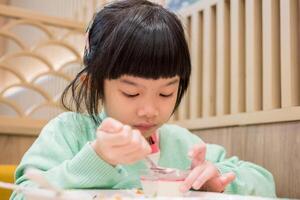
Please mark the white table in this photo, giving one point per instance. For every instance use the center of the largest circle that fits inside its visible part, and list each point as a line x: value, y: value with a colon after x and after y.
x: 46, y: 194
x: 134, y: 194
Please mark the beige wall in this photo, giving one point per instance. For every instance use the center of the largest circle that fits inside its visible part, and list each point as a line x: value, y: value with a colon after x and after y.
x: 2, y: 44
x: 274, y: 146
x: 13, y: 147
x: 80, y: 10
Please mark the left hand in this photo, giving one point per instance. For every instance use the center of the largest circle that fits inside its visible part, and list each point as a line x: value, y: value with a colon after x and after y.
x: 204, y: 175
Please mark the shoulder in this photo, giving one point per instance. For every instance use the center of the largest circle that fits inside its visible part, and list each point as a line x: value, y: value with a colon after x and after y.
x: 173, y: 134
x: 177, y: 134
x: 72, y: 116
x: 70, y: 123
x: 71, y: 119
x: 174, y: 129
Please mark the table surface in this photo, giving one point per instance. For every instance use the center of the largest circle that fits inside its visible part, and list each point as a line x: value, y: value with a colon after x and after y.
x: 135, y: 194
x: 32, y: 193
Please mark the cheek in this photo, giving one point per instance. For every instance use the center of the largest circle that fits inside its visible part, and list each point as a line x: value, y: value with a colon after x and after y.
x: 168, y: 107
x: 118, y: 109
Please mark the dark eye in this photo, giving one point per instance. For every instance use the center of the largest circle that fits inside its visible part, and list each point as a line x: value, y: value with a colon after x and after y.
x: 130, y: 95
x: 166, y: 95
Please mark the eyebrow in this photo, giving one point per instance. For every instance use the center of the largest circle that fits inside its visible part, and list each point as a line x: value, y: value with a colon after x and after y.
x: 172, y: 82
x: 136, y: 84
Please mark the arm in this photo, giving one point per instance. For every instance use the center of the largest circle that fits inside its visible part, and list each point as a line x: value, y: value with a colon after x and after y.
x: 250, y: 179
x: 63, y: 153
x: 210, y: 167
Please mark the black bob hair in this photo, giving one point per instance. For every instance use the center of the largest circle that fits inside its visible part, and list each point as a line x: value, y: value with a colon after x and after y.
x: 129, y: 37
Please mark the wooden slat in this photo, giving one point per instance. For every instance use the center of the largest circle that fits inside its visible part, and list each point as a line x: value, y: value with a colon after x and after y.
x: 241, y: 119
x: 198, y: 6
x: 259, y: 144
x: 253, y: 55
x: 289, y: 53
x: 13, y: 147
x: 196, y: 56
x: 271, y: 54
x: 183, y: 110
x: 209, y: 63
x: 223, y: 59
x: 237, y: 57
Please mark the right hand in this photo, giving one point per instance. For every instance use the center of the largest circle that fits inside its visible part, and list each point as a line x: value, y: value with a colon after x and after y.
x: 204, y: 175
x: 119, y: 144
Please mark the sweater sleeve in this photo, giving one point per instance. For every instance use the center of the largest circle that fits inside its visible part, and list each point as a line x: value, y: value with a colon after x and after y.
x: 66, y: 163
x: 250, y: 179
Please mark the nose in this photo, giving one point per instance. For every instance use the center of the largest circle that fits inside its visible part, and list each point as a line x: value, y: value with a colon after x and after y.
x: 148, y: 110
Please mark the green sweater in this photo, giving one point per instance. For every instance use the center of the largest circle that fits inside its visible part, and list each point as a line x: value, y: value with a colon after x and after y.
x: 63, y: 152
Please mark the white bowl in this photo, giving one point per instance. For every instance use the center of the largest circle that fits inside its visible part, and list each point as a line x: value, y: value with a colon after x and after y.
x: 155, y: 183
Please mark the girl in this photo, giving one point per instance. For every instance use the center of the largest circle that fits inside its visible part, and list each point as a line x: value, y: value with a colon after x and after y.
x: 137, y: 65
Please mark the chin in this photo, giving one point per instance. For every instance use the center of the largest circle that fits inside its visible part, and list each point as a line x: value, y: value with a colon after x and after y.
x: 147, y: 134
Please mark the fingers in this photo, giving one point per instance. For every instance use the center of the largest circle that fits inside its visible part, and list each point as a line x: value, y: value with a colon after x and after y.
x: 117, y: 139
x: 213, y: 185
x: 111, y: 125
x: 138, y: 154
x: 206, y: 177
x: 135, y: 144
x: 198, y: 153
x: 127, y: 137
x: 120, y: 144
x: 206, y: 174
x: 227, y: 178
x: 131, y: 153
x: 192, y: 178
x: 219, y: 183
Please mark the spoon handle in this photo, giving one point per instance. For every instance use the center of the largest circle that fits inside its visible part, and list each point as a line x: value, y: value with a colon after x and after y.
x: 151, y: 162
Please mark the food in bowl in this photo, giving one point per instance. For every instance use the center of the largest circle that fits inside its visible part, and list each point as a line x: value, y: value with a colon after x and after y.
x: 155, y: 183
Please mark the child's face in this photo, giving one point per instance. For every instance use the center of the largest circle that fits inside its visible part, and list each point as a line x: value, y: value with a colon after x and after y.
x: 144, y: 104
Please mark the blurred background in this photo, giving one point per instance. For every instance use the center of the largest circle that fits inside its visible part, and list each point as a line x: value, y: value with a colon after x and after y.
x: 245, y: 85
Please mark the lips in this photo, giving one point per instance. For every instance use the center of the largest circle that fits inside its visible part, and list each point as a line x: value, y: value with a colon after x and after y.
x: 144, y: 127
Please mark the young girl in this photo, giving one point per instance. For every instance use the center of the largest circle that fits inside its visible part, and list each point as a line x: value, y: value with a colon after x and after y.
x: 137, y: 67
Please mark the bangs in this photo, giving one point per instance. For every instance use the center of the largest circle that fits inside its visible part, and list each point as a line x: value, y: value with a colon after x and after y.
x: 151, y: 46
x: 129, y: 37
